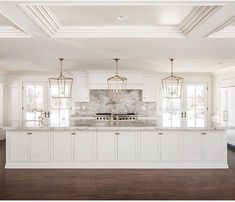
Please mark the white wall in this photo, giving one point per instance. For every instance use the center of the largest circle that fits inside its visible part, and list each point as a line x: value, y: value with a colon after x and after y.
x: 2, y: 93
x: 222, y: 78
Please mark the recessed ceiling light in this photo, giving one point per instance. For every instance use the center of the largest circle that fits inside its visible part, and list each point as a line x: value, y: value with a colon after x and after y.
x: 122, y: 17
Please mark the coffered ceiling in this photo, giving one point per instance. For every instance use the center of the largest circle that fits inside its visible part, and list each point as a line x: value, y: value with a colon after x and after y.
x: 9, y: 29
x: 89, y: 33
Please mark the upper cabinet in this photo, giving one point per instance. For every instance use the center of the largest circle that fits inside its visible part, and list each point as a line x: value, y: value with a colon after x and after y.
x: 80, y: 88
x: 150, y: 89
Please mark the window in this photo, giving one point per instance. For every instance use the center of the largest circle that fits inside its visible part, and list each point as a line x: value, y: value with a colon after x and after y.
x: 39, y: 106
x: 196, y: 105
x: 59, y: 112
x: 171, y: 112
x: 190, y: 110
x: 34, y: 103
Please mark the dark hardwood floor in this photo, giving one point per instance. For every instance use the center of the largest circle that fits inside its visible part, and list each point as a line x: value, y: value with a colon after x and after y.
x: 117, y: 184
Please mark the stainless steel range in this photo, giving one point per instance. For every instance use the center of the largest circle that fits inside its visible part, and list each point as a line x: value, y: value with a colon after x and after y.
x: 116, y: 117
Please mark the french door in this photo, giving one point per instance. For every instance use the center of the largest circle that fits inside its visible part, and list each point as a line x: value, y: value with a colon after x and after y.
x: 188, y: 111
x: 39, y: 109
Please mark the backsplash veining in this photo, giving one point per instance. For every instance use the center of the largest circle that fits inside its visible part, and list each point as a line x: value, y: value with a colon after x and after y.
x: 131, y: 102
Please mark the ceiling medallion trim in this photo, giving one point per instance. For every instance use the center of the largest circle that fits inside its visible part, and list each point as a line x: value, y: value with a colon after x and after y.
x: 43, y: 15
x: 224, y: 30
x: 13, y: 32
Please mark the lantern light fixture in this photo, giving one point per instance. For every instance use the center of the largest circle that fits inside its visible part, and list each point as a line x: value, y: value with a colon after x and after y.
x: 61, y: 87
x: 172, y: 85
x: 116, y: 84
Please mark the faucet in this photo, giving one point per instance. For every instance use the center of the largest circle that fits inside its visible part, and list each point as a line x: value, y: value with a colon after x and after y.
x: 40, y: 118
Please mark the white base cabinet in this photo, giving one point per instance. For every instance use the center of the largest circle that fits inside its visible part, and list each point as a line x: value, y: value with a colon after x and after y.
x: 62, y: 146
x: 84, y: 146
x: 116, y: 149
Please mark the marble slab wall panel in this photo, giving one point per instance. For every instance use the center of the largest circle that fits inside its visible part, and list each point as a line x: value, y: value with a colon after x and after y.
x: 131, y: 102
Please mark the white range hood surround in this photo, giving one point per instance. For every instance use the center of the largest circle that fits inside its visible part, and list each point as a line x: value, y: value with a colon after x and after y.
x: 98, y: 80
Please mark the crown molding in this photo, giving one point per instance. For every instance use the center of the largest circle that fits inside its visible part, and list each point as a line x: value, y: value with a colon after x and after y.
x: 11, y: 31
x: 196, y: 18
x: 224, y: 30
x: 45, y: 18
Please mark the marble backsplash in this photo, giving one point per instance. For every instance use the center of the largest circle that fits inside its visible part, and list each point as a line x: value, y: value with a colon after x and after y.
x: 131, y: 102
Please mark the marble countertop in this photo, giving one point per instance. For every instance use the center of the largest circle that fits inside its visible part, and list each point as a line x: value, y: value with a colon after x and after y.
x: 125, y: 125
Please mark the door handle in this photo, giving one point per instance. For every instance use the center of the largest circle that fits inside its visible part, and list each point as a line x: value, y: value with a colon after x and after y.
x: 185, y: 114
x: 182, y: 114
x: 48, y: 114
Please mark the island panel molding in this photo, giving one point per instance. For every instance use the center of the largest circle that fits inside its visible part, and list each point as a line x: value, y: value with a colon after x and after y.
x: 113, y: 147
x: 48, y: 21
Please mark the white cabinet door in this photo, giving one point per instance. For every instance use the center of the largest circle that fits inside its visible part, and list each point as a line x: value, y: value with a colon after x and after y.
x: 40, y: 146
x: 84, y: 146
x: 80, y: 88
x: 127, y: 146
x: 62, y: 146
x: 192, y: 145
x: 212, y: 145
x: 149, y: 146
x: 106, y: 146
x: 170, y: 145
x: 18, y: 146
x: 150, y: 89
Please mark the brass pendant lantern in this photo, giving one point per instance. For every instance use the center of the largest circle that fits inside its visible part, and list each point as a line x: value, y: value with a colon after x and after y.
x: 61, y: 87
x: 172, y: 85
x: 116, y: 85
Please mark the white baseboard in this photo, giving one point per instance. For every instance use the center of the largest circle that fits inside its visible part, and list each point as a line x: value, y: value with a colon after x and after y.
x: 119, y: 165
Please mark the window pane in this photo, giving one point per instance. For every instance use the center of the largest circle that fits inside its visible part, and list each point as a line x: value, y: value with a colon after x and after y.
x: 176, y: 104
x: 55, y: 103
x: 167, y: 103
x: 30, y: 91
x: 38, y: 90
x: 55, y: 118
x: 200, y: 91
x: 191, y: 90
x: 166, y: 119
x: 200, y: 104
x: 176, y: 118
x: 191, y: 118
x: 39, y: 103
x: 191, y: 103
x: 64, y: 118
x: 200, y: 118
x: 63, y: 103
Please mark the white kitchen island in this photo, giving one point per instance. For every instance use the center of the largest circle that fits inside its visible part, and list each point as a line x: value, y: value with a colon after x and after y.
x: 115, y: 147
